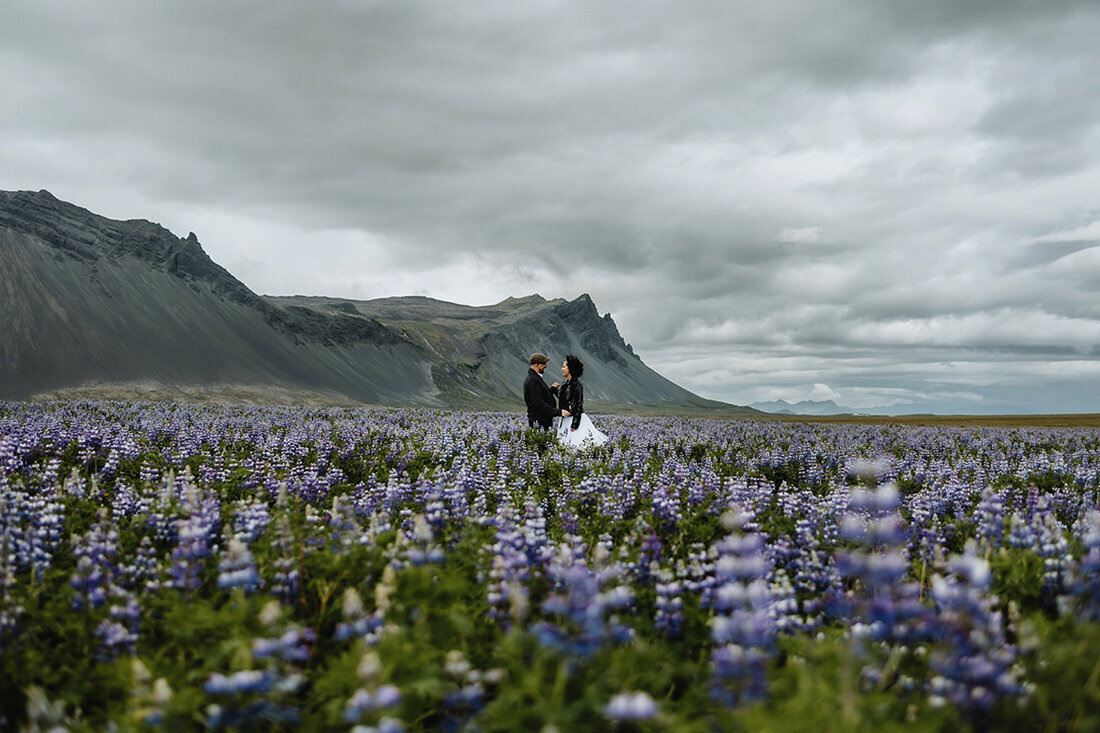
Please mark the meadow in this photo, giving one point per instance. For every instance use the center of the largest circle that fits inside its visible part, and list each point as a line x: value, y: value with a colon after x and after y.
x: 192, y: 567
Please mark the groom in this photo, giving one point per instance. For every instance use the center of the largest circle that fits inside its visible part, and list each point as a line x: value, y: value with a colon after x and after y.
x: 541, y: 406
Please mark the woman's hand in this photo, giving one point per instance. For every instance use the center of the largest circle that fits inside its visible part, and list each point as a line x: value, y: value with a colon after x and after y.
x: 565, y: 413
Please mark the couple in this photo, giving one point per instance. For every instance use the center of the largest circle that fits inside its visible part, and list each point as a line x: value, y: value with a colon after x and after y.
x: 566, y: 416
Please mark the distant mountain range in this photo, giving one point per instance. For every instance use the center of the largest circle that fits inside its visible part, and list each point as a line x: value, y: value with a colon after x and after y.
x: 805, y: 407
x: 95, y: 307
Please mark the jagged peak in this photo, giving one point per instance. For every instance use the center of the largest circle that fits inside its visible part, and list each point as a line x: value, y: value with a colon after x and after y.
x: 41, y: 193
x: 523, y: 298
x: 87, y: 236
x: 582, y: 304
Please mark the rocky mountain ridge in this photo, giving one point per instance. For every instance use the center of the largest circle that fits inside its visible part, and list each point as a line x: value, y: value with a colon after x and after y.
x: 804, y: 407
x: 89, y: 302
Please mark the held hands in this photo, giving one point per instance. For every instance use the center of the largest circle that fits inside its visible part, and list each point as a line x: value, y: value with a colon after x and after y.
x: 565, y: 413
x: 555, y: 384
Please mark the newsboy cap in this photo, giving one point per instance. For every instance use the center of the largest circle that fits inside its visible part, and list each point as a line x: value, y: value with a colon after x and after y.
x: 538, y: 358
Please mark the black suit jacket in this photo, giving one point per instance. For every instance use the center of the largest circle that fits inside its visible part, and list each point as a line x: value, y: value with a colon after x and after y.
x: 539, y: 397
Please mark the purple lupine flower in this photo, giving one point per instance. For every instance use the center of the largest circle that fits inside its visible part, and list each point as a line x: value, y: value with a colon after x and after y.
x: 743, y: 625
x: 468, y: 696
x: 357, y: 623
x: 519, y: 548
x: 581, y: 601
x: 250, y: 520
x: 889, y: 607
x: 651, y: 551
x: 96, y: 553
x: 364, y: 701
x: 1051, y: 545
x: 43, y: 534
x: 9, y: 610
x: 670, y: 604
x: 421, y: 547
x: 784, y: 611
x: 118, y: 634
x: 126, y: 502
x: 188, y: 556
x: 237, y: 569
x: 162, y: 519
x: 240, y: 683
x: 142, y: 573
x: 261, y: 695
x: 292, y: 646
x: 882, y: 606
x: 284, y: 584
x: 974, y: 663
x: 1084, y: 578
x: 343, y: 525
x: 990, y: 517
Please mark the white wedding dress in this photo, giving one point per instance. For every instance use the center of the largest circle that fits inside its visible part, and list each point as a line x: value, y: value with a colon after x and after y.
x: 585, y: 436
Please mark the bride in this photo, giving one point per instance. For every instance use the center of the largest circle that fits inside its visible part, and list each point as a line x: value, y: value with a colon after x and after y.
x: 574, y: 427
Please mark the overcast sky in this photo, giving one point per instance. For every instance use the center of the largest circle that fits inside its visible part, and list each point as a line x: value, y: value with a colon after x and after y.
x: 894, y: 205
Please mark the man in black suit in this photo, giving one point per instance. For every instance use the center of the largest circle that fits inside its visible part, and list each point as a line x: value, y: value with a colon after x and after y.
x: 541, y: 406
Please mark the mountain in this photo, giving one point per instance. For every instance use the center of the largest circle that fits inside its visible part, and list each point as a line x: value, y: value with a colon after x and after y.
x: 93, y: 306
x: 91, y: 301
x: 805, y: 407
x: 481, y: 352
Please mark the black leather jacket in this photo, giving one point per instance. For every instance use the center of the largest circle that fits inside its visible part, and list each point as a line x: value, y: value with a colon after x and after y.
x: 571, y: 397
x: 539, y: 397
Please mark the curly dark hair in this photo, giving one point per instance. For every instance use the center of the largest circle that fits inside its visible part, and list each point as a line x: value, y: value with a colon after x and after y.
x: 576, y: 366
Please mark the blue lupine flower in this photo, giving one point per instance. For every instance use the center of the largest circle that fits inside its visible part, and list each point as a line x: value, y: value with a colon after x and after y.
x: 364, y: 701
x: 237, y: 568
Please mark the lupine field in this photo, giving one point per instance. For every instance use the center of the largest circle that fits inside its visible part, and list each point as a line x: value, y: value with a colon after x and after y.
x: 191, y: 567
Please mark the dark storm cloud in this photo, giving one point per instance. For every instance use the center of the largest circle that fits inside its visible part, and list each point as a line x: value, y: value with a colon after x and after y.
x: 792, y: 181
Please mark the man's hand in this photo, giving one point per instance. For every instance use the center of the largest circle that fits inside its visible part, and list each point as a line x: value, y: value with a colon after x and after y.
x: 565, y: 413
x: 555, y: 384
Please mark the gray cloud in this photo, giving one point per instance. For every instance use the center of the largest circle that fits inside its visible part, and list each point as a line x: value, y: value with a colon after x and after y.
x: 850, y: 193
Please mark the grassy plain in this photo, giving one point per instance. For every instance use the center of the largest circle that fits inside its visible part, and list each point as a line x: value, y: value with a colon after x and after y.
x: 1083, y: 420
x: 235, y: 394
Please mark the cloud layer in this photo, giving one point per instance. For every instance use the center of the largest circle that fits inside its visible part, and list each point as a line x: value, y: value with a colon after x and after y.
x: 892, y: 204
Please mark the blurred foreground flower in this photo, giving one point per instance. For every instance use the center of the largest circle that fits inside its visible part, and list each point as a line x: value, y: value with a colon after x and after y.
x: 631, y: 706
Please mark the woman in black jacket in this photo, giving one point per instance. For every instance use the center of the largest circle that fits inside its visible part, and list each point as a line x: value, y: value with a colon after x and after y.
x: 571, y: 394
x: 576, y: 429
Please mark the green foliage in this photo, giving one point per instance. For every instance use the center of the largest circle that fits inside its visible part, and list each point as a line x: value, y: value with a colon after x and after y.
x: 1064, y: 666
x: 1049, y: 481
x: 908, y: 486
x: 539, y: 441
x: 816, y: 686
x: 421, y: 464
x: 1018, y: 578
x: 787, y: 473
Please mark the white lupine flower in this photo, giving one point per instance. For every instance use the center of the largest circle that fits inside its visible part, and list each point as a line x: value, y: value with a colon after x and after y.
x: 631, y: 706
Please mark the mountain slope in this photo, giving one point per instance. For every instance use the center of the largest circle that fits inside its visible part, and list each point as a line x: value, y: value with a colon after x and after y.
x: 89, y: 300
x: 94, y: 305
x: 482, y: 351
